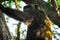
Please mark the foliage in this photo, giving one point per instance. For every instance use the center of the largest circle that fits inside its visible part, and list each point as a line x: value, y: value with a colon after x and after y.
x: 58, y: 3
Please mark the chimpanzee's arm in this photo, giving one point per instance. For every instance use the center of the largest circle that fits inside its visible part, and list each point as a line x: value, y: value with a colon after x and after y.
x: 25, y: 16
x: 16, y: 14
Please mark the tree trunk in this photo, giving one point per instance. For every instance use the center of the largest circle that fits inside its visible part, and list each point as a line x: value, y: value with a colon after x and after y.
x: 4, y: 32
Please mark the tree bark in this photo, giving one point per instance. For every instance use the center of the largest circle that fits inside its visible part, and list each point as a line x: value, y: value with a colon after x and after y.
x: 4, y: 32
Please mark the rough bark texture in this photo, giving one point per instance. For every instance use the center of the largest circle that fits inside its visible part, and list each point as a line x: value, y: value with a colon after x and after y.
x: 4, y: 32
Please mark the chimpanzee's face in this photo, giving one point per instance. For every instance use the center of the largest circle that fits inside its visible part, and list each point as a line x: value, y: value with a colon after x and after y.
x: 37, y: 18
x: 28, y: 22
x: 33, y: 15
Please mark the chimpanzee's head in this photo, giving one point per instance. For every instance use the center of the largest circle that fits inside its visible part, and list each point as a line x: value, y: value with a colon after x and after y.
x: 32, y: 14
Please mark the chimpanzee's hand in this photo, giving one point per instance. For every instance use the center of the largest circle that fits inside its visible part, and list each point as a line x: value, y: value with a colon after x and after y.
x: 1, y: 7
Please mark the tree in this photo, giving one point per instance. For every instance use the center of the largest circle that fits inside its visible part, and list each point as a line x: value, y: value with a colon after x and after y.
x: 4, y: 32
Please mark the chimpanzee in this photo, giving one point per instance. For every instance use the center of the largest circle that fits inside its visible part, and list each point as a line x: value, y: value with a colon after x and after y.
x: 38, y: 29
x: 34, y: 18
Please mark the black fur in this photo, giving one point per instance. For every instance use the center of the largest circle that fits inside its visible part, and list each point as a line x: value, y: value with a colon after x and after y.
x: 29, y: 13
